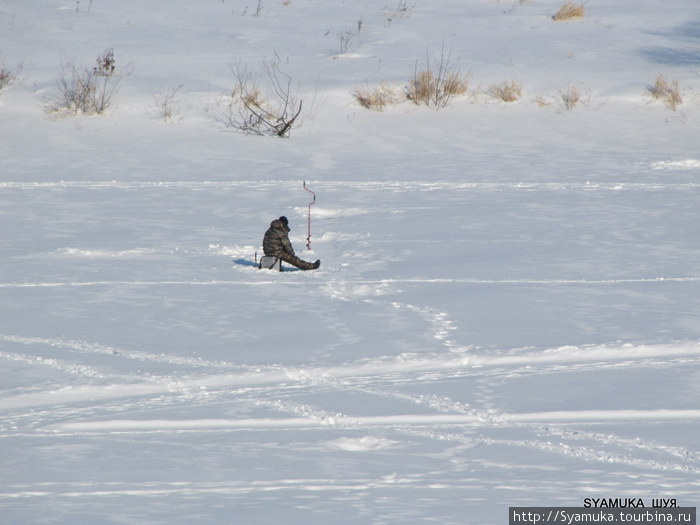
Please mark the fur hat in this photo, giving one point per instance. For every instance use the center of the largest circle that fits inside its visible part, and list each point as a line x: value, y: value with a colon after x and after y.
x: 284, y: 220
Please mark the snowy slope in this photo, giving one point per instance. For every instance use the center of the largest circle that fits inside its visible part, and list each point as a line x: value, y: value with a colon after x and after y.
x: 508, y: 307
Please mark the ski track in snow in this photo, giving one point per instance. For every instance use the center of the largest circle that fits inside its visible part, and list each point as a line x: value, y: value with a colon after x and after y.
x: 62, y: 411
x: 212, y: 381
x: 115, y: 398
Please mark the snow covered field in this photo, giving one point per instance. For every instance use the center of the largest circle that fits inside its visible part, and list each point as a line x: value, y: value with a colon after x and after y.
x: 508, y: 307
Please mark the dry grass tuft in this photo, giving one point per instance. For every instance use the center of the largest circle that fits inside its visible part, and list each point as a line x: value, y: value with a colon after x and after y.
x: 508, y: 91
x: 667, y: 92
x: 455, y: 84
x: 569, y: 11
x: 543, y: 101
x: 436, y: 88
x: 571, y: 97
x: 439, y: 82
x: 422, y: 86
x: 376, y: 98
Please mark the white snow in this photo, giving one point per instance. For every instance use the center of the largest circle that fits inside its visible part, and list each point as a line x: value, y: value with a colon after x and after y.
x: 508, y: 307
x: 687, y: 164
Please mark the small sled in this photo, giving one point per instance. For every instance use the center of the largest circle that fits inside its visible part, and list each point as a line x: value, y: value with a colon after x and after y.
x: 269, y: 262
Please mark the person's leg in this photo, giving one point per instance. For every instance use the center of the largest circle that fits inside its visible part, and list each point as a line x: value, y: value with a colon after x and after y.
x: 295, y: 261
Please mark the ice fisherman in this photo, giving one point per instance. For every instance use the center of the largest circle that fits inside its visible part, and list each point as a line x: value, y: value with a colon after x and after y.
x: 276, y: 243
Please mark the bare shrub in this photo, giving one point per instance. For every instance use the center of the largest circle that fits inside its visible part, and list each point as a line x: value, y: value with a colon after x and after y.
x: 571, y: 97
x: 345, y: 39
x: 568, y: 11
x: 508, y: 91
x: 105, y: 66
x: 403, y: 9
x: 439, y: 82
x: 275, y: 112
x: 376, y: 98
x: 85, y: 90
x: 668, y: 93
x: 8, y: 76
x: 167, y: 106
x: 513, y: 5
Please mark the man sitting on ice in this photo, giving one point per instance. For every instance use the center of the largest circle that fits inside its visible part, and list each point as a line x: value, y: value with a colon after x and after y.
x: 276, y: 243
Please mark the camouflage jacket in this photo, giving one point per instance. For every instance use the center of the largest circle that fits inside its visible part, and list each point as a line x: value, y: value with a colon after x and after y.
x: 276, y: 239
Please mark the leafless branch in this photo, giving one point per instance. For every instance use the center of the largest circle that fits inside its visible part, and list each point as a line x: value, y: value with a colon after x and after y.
x: 274, y: 114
